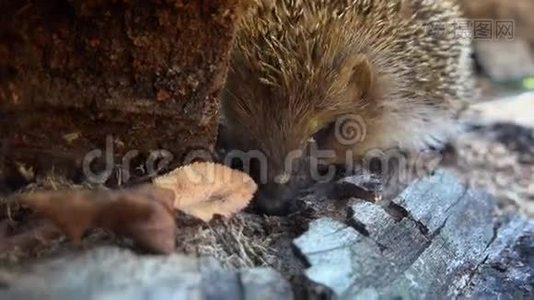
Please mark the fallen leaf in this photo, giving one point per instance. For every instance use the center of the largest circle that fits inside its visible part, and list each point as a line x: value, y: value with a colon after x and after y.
x: 72, y: 212
x: 207, y: 189
x: 146, y: 214
x: 143, y: 214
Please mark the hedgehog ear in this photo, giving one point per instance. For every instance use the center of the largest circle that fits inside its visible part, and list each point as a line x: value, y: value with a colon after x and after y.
x: 357, y: 75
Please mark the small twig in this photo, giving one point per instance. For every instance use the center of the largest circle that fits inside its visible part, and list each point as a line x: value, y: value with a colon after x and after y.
x: 347, y: 190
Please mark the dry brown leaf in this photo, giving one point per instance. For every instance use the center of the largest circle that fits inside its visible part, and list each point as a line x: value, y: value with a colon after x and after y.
x: 72, y: 212
x: 206, y: 189
x: 143, y: 214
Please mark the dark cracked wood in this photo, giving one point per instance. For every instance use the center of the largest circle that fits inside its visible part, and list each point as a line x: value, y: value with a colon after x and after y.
x: 438, y: 239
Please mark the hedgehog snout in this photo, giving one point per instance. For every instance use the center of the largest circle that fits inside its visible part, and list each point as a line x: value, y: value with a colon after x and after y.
x: 276, y: 199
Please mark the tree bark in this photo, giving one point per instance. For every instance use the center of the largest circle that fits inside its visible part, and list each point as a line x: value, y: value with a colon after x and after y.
x: 130, y: 75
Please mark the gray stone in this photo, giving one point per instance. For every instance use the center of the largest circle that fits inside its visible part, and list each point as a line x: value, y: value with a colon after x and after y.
x: 263, y: 284
x: 112, y: 273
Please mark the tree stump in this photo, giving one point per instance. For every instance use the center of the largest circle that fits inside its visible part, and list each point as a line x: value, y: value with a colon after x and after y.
x: 110, y: 83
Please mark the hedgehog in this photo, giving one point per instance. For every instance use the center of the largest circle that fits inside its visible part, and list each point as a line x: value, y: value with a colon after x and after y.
x: 298, y: 67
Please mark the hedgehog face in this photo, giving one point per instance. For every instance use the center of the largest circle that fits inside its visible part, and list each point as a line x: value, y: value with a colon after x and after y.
x: 278, y: 125
x: 298, y: 67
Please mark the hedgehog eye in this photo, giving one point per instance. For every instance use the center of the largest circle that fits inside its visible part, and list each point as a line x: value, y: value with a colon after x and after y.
x: 322, y: 135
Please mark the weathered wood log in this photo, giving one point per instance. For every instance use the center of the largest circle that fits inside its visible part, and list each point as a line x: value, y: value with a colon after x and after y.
x: 76, y: 76
x: 438, y: 239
